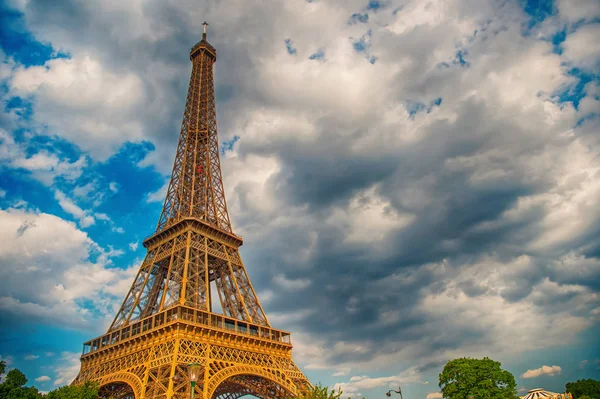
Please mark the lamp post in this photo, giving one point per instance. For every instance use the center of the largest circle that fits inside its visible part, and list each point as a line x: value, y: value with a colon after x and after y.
x: 194, y: 373
x: 399, y: 391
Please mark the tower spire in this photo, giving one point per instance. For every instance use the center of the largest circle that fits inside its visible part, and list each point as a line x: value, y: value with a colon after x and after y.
x: 196, y: 186
x: 205, y: 24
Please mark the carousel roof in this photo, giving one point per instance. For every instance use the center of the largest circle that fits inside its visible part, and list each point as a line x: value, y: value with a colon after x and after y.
x: 539, y: 393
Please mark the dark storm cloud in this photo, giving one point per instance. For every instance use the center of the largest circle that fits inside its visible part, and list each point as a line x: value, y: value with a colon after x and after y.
x: 328, y: 174
x: 323, y: 176
x: 431, y: 366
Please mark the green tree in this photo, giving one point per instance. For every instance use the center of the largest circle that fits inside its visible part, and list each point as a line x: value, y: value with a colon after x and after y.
x: 88, y: 390
x: 582, y: 388
x: 13, y: 386
x: 15, y: 378
x: 467, y: 378
x: 321, y: 392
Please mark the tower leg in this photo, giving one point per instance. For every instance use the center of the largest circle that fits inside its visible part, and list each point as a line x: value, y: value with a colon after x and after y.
x: 173, y: 369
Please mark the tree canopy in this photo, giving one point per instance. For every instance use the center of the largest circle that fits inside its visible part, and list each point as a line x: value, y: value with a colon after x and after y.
x: 88, y: 390
x: 321, y: 392
x: 468, y: 378
x: 14, y: 387
x: 582, y: 388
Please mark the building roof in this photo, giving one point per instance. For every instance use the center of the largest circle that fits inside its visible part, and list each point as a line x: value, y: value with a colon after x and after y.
x: 539, y: 393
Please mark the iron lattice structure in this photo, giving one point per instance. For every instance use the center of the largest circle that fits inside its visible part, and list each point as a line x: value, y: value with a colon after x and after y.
x: 166, y: 320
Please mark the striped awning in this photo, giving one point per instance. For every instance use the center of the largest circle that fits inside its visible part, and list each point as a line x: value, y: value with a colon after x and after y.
x: 541, y: 393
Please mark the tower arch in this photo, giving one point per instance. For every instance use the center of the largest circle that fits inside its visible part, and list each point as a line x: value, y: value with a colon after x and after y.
x: 253, y: 380
x: 118, y: 381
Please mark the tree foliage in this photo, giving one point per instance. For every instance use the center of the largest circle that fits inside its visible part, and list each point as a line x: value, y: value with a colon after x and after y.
x: 14, y: 387
x: 88, y: 390
x: 321, y: 392
x: 467, y: 378
x: 582, y: 388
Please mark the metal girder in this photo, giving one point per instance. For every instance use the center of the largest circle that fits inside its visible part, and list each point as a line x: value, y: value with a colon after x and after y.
x: 176, y: 272
x: 196, y: 186
x: 166, y: 320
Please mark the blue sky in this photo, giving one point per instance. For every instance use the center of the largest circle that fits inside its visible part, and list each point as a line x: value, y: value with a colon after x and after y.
x: 414, y: 181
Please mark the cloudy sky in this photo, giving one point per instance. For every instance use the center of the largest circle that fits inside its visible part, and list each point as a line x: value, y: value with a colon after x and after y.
x: 414, y: 180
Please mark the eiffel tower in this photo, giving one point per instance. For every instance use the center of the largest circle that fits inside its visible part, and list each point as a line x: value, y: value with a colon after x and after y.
x: 166, y: 320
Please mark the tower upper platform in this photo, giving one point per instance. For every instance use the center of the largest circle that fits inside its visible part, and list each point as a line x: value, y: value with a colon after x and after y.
x: 203, y: 45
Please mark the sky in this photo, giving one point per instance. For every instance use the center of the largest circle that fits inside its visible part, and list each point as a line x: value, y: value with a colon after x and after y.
x: 415, y: 181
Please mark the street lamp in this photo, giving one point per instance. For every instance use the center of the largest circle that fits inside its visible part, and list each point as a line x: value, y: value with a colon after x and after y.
x: 194, y: 373
x: 389, y: 393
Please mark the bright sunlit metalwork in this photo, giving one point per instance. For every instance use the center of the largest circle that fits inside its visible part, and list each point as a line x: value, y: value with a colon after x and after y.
x: 166, y: 341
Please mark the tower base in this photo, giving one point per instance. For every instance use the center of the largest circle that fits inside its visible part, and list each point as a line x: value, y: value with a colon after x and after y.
x: 148, y: 359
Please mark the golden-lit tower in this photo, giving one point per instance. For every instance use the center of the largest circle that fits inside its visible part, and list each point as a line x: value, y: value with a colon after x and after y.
x: 166, y: 320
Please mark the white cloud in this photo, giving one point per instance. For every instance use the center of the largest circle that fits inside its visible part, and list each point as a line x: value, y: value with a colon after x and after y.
x: 133, y: 245
x: 42, y: 165
x: 99, y: 102
x: 576, y: 10
x: 2, y: 193
x: 7, y: 359
x: 43, y: 378
x: 363, y: 382
x: 67, y: 368
x: 55, y: 273
x: 285, y: 319
x: 158, y: 195
x: 293, y: 285
x: 369, y: 218
x: 544, y: 370
x: 84, y: 191
x: 85, y: 218
x: 249, y: 191
x: 91, y: 192
x: 341, y: 373
x: 31, y: 357
x: 582, y: 47
x: 478, y: 298
x: 569, y: 207
x: 104, y: 217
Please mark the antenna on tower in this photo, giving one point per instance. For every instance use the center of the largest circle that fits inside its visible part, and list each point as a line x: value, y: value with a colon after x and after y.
x: 205, y: 24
